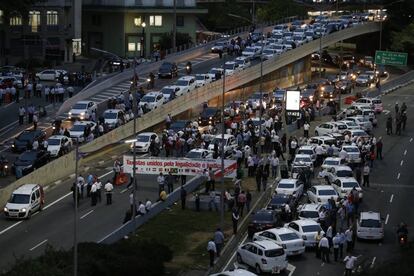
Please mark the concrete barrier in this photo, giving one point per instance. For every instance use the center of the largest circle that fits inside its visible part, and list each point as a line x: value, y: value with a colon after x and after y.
x: 59, y: 168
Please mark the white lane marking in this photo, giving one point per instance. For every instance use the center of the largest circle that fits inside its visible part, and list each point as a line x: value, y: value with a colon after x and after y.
x: 10, y: 227
x: 85, y: 215
x: 392, y: 197
x: 411, y: 140
x: 291, y: 269
x: 398, y: 176
x: 9, y: 125
x: 124, y: 190
x: 405, y: 152
x: 57, y: 200
x: 234, y: 254
x: 373, y: 262
x: 401, y: 163
x: 387, y: 218
x: 37, y: 245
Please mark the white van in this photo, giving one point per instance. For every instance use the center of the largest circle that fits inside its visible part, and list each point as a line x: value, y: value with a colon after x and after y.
x: 370, y: 226
x: 24, y: 201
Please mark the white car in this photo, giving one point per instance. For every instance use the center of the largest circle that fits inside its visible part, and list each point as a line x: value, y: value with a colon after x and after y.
x: 289, y: 186
x: 321, y: 193
x: 370, y: 226
x: 114, y: 118
x: 24, y: 201
x: 307, y: 229
x: 251, y: 52
x: 187, y: 82
x: 78, y: 129
x: 231, y: 67
x: 324, y: 128
x: 143, y: 142
x: 49, y: 75
x: 332, y: 173
x: 213, y: 71
x: 303, y: 159
x: 344, y: 185
x: 292, y: 243
x: 235, y: 272
x: 230, y: 143
x: 330, y: 162
x: 350, y: 124
x: 152, y: 100
x: 57, y: 144
x: 308, y: 150
x: 171, y: 92
x: 202, y: 79
x: 243, y: 62
x: 269, y: 53
x: 83, y: 110
x: 309, y: 211
x: 263, y: 256
x: 280, y: 48
x: 363, y: 123
x: 200, y: 154
x: 353, y: 154
x: 363, y: 80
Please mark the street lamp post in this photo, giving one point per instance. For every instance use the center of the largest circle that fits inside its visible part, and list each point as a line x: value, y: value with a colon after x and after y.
x: 174, y: 38
x: 223, y: 129
x: 261, y: 98
x: 143, y: 25
x: 75, y: 225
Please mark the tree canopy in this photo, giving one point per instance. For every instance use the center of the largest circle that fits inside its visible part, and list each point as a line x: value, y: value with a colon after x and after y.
x: 277, y: 9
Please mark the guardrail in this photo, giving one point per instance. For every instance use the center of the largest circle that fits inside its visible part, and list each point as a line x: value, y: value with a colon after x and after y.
x: 146, y: 68
x: 59, y: 168
x: 156, y: 208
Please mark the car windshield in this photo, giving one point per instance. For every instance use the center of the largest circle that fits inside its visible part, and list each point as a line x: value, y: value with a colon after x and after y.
x: 110, y: 115
x: 277, y: 47
x: 193, y: 154
x: 53, y: 142
x: 358, y: 133
x: 229, y: 66
x: 303, y: 159
x: 255, y: 96
x: 363, y: 77
x: 305, y: 151
x: 274, y: 253
x: 344, y: 173
x: 167, y: 91
x: 370, y: 223
x: 309, y: 33
x: 208, y: 112
x: 148, y: 99
x: 311, y: 228
x: 200, y: 77
x: 19, y: 199
x: 165, y: 66
x: 143, y: 138
x: 218, y: 140
x: 377, y: 102
x: 326, y: 192
x: 286, y: 185
x: 26, y: 135
x: 215, y: 71
x: 278, y: 200
x: 278, y: 36
x: 78, y: 127
x: 309, y: 214
x: 80, y: 106
x: 249, y: 49
x: 263, y: 216
x: 183, y: 83
x: 240, y: 62
x: 331, y: 162
x: 28, y: 156
x: 349, y: 184
x: 297, y: 37
x: 288, y: 236
x: 268, y: 51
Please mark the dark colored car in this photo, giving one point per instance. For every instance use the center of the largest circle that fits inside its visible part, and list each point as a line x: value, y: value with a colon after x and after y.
x: 279, y: 201
x: 328, y: 92
x: 262, y: 220
x: 179, y: 125
x: 168, y: 70
x: 209, y: 116
x: 30, y: 160
x: 26, y: 138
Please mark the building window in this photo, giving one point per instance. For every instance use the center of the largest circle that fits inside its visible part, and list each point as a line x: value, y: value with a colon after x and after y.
x: 16, y: 20
x: 137, y: 21
x: 155, y: 20
x: 96, y: 20
x: 134, y: 46
x: 1, y: 16
x: 52, y: 17
x: 34, y: 20
x: 180, y: 21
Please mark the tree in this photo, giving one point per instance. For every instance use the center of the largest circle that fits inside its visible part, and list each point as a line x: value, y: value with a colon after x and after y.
x: 277, y: 9
x: 181, y: 39
x: 403, y: 41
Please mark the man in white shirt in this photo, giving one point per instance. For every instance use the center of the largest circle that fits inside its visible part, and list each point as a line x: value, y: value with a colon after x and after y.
x: 349, y: 239
x: 141, y: 209
x: 324, y: 248
x: 108, y: 191
x: 99, y: 190
x: 160, y: 181
x: 212, y: 250
x: 306, y: 127
x: 94, y: 189
x: 148, y: 205
x: 274, y: 162
x: 349, y: 264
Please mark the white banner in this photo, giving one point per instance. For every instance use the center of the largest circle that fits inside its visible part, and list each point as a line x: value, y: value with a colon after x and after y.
x: 179, y: 166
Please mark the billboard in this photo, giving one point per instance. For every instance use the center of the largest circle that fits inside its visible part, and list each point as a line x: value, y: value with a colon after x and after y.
x: 293, y: 100
x: 179, y: 166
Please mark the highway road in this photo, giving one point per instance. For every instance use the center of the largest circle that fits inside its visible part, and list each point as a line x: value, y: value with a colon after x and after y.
x: 391, y: 193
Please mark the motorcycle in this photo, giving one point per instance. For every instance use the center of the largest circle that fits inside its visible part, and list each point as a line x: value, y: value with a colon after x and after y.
x: 4, y: 168
x: 402, y: 239
x: 188, y: 68
x: 151, y: 81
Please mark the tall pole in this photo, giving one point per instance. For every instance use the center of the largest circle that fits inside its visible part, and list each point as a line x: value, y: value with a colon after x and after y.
x: 320, y: 45
x: 75, y: 224
x: 223, y: 129
x: 134, y: 175
x: 341, y: 63
x: 174, y: 37
x: 261, y: 99
x: 253, y: 12
x: 380, y: 34
x: 143, y: 41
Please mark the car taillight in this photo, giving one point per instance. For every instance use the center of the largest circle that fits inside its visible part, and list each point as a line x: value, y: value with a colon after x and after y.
x: 264, y: 261
x: 304, y: 237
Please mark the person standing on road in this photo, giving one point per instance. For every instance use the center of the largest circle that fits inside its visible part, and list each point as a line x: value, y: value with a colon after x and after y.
x: 235, y: 219
x: 349, y: 264
x: 389, y: 125
x: 22, y: 113
x: 219, y: 240
x: 318, y: 238
x: 379, y: 148
x: 324, y: 248
x: 212, y: 250
x: 117, y: 170
x: 336, y: 242
x: 183, y: 196
x: 349, y: 239
x: 94, y: 189
x: 306, y: 128
x: 241, y: 201
x: 108, y: 191
x: 99, y: 190
x: 366, y: 172
x: 170, y: 182
x: 161, y: 182
x: 248, y: 200
x: 342, y: 240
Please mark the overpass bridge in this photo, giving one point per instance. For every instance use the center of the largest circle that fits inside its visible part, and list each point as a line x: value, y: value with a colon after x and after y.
x: 59, y: 168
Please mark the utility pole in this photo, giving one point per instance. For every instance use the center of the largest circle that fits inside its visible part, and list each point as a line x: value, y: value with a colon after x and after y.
x: 253, y: 12
x: 134, y: 159
x: 223, y: 129
x: 174, y: 37
x: 261, y: 98
x: 75, y: 224
x: 320, y: 45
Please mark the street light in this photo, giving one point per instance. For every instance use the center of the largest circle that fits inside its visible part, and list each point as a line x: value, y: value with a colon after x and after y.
x: 143, y: 25
x: 223, y: 129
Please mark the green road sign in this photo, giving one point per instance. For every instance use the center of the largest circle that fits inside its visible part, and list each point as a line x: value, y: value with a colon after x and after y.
x: 391, y: 58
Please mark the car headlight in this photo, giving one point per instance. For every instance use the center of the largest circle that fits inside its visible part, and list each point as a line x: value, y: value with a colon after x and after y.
x: 82, y: 114
x: 70, y: 113
x: 23, y: 210
x: 5, y: 209
x: 211, y: 118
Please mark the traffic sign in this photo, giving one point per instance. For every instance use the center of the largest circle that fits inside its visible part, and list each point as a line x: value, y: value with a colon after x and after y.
x: 391, y: 58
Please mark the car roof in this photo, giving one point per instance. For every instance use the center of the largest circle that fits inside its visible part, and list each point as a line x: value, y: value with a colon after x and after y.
x: 230, y: 62
x: 57, y: 137
x: 267, y: 244
x: 370, y: 215
x: 288, y: 180
x: 307, y: 147
x: 341, y: 167
x: 347, y: 179
x: 186, y: 78
x: 112, y: 110
x: 83, y: 123
x: 302, y: 155
x: 323, y: 187
x: 332, y: 159
x: 25, y: 189
x: 198, y: 150
x: 84, y: 102
x: 146, y: 133
x: 279, y: 230
x: 153, y: 93
x: 310, y: 207
x: 226, y: 136
x: 304, y: 222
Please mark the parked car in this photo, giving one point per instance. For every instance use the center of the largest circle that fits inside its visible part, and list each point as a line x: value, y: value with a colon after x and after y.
x: 230, y: 143
x: 344, y: 185
x: 168, y: 70
x: 113, y: 118
x: 278, y: 202
x: 83, y: 110
x: 58, y: 145
x: 209, y: 116
x: 30, y: 160
x: 50, y: 75
x: 321, y: 193
x: 309, y: 211
x: 25, y: 201
x: 290, y: 187
x: 291, y: 242
x: 262, y: 220
x: 200, y: 154
x: 202, y: 79
x: 187, y: 83
x: 78, y: 130
x: 220, y: 46
x: 143, y: 142
x: 152, y: 100
x: 307, y: 229
x: 179, y: 125
x: 26, y: 138
x: 370, y: 226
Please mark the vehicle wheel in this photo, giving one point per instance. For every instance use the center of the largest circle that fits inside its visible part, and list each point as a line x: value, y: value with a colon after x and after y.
x: 29, y: 214
x: 239, y: 258
x: 41, y: 207
x: 258, y: 270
